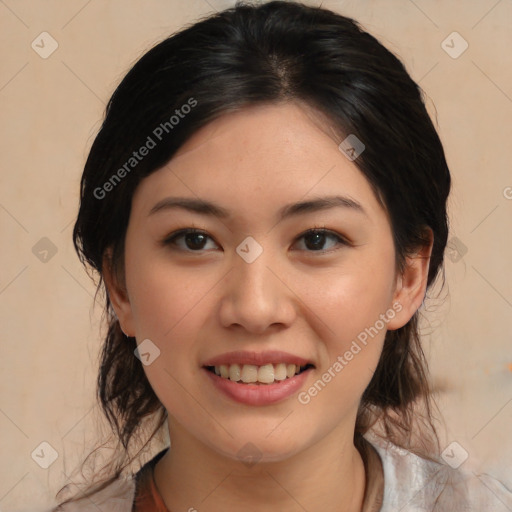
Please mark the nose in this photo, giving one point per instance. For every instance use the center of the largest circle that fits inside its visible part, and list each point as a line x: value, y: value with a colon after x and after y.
x: 256, y: 296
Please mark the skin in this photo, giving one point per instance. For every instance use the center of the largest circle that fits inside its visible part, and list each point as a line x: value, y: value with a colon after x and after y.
x: 293, y: 297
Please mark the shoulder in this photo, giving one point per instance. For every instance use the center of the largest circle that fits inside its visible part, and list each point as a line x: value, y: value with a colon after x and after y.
x: 414, y: 484
x: 116, y: 497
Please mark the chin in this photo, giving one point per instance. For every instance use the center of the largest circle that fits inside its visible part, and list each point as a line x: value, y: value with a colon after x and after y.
x: 256, y: 449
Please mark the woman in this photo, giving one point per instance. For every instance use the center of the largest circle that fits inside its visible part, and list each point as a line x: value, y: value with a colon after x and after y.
x: 265, y: 204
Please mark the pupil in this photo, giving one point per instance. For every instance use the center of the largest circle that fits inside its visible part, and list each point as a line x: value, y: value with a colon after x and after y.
x: 196, y: 235
x: 321, y: 235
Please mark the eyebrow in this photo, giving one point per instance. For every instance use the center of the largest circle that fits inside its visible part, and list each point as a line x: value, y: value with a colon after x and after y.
x: 204, y: 207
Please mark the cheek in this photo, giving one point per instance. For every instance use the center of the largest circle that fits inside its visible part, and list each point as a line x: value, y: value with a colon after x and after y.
x: 349, y: 299
x: 162, y: 298
x: 349, y: 304
x: 166, y: 304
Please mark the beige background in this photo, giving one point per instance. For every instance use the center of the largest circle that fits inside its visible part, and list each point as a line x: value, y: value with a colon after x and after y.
x: 52, y: 108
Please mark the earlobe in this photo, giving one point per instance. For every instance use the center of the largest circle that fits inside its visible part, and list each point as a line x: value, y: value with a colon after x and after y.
x: 118, y: 295
x: 411, y: 284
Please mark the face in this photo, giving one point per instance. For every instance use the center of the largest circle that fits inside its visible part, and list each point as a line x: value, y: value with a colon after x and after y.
x: 253, y: 287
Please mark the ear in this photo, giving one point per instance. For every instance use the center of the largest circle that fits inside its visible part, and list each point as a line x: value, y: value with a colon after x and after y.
x: 411, y: 284
x: 118, y: 295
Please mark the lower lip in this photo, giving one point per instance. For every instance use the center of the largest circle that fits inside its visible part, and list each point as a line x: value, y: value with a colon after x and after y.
x: 259, y: 394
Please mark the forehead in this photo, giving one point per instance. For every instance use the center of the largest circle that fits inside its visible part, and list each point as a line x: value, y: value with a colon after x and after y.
x: 287, y: 132
x: 260, y: 157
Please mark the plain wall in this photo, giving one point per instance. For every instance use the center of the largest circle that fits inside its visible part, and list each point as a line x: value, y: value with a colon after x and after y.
x: 51, y: 109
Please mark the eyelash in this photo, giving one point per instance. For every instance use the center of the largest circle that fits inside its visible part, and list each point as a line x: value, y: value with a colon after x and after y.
x: 170, y: 240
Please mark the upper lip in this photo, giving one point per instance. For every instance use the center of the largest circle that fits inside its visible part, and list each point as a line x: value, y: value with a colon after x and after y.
x: 256, y: 358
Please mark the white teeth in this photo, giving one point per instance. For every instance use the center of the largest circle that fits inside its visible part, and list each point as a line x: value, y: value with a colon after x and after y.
x: 290, y: 370
x: 234, y: 372
x: 250, y: 373
x: 266, y: 374
x: 280, y: 371
x: 224, y: 370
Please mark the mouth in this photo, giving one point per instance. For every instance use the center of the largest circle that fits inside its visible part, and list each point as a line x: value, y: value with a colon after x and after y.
x: 260, y: 375
x: 258, y: 378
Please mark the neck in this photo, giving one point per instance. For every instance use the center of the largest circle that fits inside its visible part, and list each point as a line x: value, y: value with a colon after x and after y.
x: 192, y: 476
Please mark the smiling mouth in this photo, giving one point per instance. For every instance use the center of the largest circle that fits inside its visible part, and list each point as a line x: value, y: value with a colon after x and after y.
x: 253, y: 374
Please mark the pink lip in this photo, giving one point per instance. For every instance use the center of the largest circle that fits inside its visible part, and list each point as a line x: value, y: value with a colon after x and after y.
x: 256, y: 358
x: 258, y: 394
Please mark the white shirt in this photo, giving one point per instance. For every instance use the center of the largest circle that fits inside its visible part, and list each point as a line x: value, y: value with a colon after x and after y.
x: 411, y: 484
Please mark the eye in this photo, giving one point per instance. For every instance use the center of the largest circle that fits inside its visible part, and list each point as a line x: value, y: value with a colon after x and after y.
x: 194, y: 239
x: 315, y: 239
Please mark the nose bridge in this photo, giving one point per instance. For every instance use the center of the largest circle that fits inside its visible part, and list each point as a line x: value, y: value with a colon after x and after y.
x: 254, y: 296
x: 251, y: 273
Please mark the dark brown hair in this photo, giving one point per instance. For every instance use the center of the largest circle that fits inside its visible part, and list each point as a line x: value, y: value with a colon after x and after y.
x: 249, y: 55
